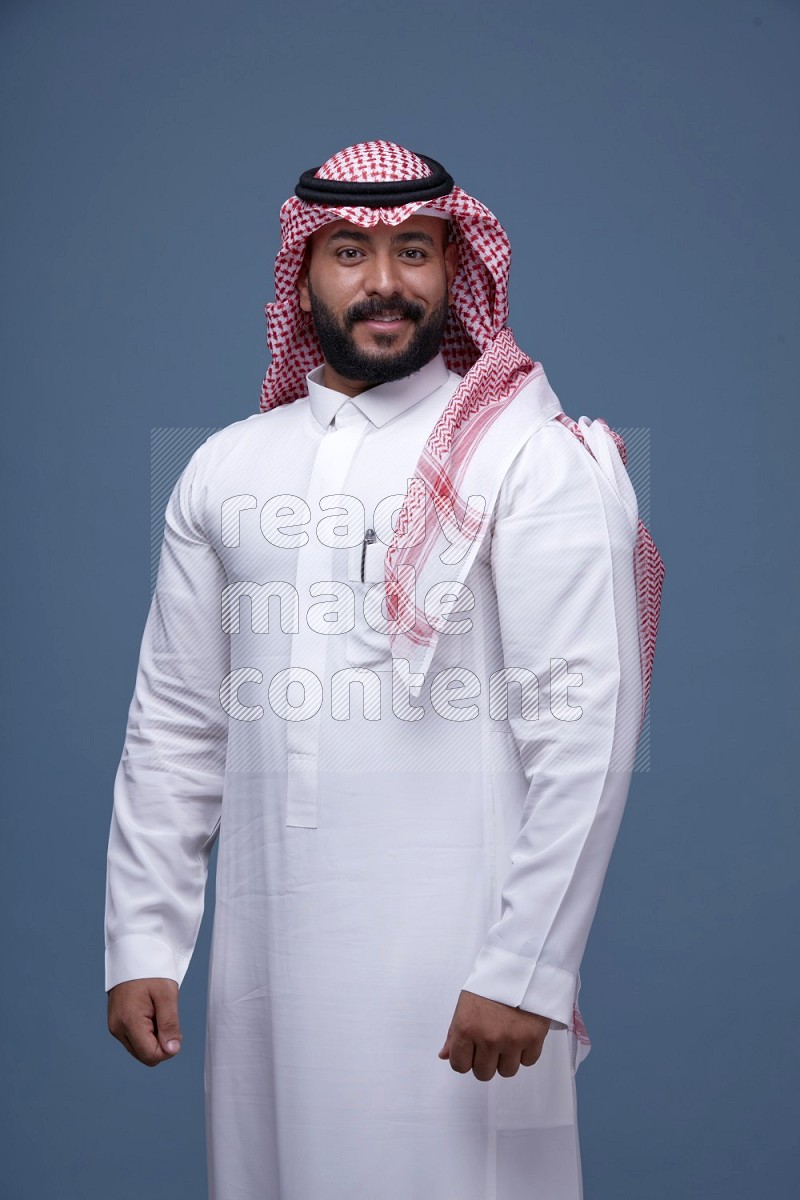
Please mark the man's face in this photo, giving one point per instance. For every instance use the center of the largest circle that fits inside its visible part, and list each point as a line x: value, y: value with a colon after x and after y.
x: 351, y: 277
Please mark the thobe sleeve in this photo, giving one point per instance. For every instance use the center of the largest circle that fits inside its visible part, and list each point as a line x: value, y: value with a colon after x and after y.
x: 562, y: 565
x: 168, y: 785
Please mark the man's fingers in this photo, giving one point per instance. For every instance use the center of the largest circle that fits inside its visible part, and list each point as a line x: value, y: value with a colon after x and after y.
x: 139, y: 1040
x: 508, y: 1065
x: 531, y: 1054
x: 484, y: 1064
x: 488, y: 1037
x: 123, y: 1037
x: 167, y: 1025
x: 140, y: 1012
x: 461, y: 1051
x: 145, y: 1046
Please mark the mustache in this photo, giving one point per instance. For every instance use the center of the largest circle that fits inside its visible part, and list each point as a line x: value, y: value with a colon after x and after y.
x: 369, y: 312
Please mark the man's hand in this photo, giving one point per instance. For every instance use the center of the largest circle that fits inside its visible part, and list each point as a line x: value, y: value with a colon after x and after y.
x: 143, y: 1015
x: 485, y: 1036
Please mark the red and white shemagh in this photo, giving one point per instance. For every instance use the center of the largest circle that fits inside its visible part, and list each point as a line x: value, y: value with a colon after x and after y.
x: 477, y: 344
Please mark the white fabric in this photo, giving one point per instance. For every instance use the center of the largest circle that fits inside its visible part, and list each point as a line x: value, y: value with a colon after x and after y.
x: 424, y: 211
x: 372, y: 865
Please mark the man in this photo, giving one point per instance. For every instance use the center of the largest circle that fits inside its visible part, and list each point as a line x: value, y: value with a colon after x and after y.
x: 396, y: 661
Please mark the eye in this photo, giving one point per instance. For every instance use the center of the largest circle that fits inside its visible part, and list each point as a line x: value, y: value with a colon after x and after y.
x: 416, y: 250
x: 347, y: 250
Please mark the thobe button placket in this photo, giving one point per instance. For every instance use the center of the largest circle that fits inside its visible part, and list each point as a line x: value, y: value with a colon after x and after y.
x: 337, y: 449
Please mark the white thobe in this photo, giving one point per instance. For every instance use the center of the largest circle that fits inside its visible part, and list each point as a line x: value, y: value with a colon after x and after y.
x: 381, y: 846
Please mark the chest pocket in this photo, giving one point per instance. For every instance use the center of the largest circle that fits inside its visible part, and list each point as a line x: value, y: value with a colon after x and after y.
x: 367, y: 644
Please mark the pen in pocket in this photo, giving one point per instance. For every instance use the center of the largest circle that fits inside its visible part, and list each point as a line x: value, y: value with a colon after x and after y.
x: 370, y: 536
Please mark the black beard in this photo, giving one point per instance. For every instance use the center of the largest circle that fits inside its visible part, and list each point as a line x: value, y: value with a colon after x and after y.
x: 343, y: 355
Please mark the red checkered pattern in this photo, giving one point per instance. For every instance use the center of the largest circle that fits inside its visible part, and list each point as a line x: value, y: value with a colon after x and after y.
x: 648, y: 568
x: 373, y: 162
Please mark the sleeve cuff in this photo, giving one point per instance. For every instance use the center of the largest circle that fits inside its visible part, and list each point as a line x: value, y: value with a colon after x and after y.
x: 142, y: 956
x: 533, y: 986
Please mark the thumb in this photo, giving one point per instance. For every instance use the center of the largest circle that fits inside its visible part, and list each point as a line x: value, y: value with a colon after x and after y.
x: 445, y: 1050
x: 166, y: 1020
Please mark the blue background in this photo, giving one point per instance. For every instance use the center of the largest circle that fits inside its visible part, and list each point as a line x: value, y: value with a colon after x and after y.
x: 643, y: 158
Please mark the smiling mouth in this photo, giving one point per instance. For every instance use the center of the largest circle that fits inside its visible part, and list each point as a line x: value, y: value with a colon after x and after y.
x: 383, y: 322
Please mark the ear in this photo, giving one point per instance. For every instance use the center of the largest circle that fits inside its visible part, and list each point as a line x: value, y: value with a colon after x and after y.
x: 302, y: 282
x: 451, y: 263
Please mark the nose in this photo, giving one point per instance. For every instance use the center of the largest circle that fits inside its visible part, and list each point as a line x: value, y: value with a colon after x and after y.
x: 383, y: 276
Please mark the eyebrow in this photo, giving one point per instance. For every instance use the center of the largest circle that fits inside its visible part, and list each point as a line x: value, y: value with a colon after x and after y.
x: 345, y: 235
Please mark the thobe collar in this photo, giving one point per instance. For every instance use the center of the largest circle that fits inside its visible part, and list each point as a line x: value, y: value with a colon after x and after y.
x: 382, y: 402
